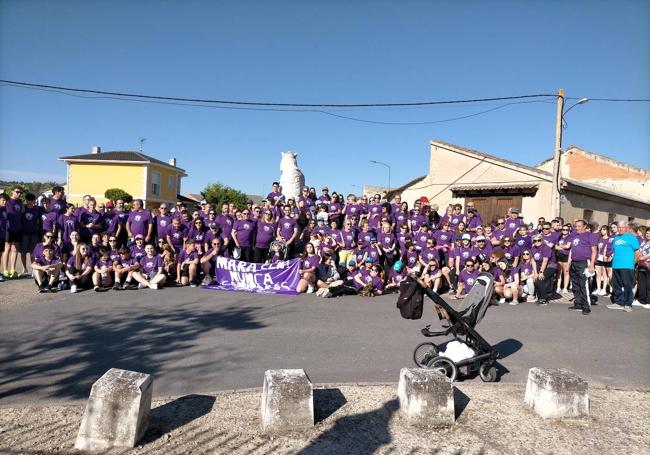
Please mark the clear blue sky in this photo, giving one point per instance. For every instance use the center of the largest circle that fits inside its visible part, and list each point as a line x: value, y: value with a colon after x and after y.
x: 318, y: 52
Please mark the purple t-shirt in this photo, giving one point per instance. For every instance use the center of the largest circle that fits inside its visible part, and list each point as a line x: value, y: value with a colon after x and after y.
x: 551, y: 238
x: 523, y: 242
x: 372, y: 252
x: 48, y: 221
x: 118, y: 220
x: 32, y: 221
x: 427, y: 254
x: 310, y: 262
x: 44, y: 262
x: 525, y: 268
x: 411, y: 258
x: 359, y: 254
x: 68, y: 224
x: 58, y: 206
x: 162, y: 224
x: 512, y: 225
x: 415, y: 221
x: 265, y: 234
x: 3, y: 222
x: 274, y: 196
x: 198, y: 235
x: 387, y: 240
x: 244, y: 231
x: 177, y: 236
x: 498, y: 233
x: 114, y: 255
x: 539, y: 253
x: 468, y: 279
x: 366, y: 236
x: 455, y: 220
x: 396, y: 276
x: 100, y: 263
x: 151, y: 265
x: 581, y: 246
x: 185, y: 256
x: 375, y: 282
x: 123, y: 262
x: 86, y: 218
x: 88, y: 262
x: 421, y: 238
x: 139, y: 222
x: 334, y: 207
x: 513, y: 274
x: 444, y: 238
x: 463, y: 254
x: 483, y: 255
x: 14, y: 210
x: 400, y: 217
x: 511, y: 252
x: 347, y: 238
x: 564, y: 241
x: 352, y: 209
x: 402, y: 238
x: 137, y: 252
x: 286, y: 227
x: 38, y: 251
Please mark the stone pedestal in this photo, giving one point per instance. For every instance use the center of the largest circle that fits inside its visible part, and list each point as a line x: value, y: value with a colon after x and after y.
x: 287, y: 401
x: 426, y: 397
x: 556, y: 393
x: 117, y: 412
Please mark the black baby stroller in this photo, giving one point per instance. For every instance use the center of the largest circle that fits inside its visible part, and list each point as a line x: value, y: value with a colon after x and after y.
x: 468, y: 351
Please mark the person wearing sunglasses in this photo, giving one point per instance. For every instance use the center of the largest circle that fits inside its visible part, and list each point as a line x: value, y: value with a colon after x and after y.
x: 48, y: 240
x: 161, y: 222
x: 243, y: 232
x: 369, y: 283
x: 546, y: 266
x: 527, y: 275
x: 197, y: 234
x: 14, y: 212
x: 466, y: 279
x: 582, y: 263
x: 562, y: 247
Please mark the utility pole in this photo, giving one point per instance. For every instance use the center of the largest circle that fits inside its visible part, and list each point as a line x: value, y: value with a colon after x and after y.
x: 555, y: 187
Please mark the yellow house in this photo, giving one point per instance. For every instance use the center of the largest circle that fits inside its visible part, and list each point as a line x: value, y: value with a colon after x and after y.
x: 141, y: 176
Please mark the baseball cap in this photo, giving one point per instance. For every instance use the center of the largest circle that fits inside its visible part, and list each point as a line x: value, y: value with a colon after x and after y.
x: 459, y: 237
x: 514, y: 210
x: 213, y: 225
x: 139, y: 236
x: 203, y: 202
x: 109, y: 204
x: 370, y: 260
x: 351, y: 263
x: 466, y: 237
x: 398, y: 266
x: 479, y: 237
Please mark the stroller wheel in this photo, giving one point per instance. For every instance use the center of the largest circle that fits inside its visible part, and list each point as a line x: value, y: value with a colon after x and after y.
x: 488, y: 372
x: 445, y: 366
x: 424, y: 352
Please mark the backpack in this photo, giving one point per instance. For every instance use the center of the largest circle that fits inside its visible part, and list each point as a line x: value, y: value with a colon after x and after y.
x: 411, y: 299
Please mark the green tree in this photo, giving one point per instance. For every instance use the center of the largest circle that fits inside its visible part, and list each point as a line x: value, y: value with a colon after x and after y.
x: 113, y: 194
x: 218, y: 193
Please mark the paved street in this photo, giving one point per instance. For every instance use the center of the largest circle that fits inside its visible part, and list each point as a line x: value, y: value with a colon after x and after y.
x: 194, y: 340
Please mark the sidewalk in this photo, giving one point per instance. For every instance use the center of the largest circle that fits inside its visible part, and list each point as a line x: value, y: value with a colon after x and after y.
x: 354, y: 419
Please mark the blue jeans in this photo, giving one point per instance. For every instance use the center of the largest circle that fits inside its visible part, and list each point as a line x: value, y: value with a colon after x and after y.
x: 623, y: 284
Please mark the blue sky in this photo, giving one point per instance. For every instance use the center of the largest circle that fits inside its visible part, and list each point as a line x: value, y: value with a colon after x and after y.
x: 318, y: 52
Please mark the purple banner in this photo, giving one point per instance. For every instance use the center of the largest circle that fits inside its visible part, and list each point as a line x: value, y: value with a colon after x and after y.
x: 279, y: 278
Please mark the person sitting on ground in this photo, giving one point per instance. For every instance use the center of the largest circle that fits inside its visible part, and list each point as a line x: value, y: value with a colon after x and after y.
x: 370, y: 284
x: 396, y: 274
x: 125, y: 265
x: 102, y: 278
x: 187, y: 265
x: 150, y: 274
x: 326, y: 273
x: 310, y: 263
x: 209, y: 260
x: 527, y: 275
x: 46, y: 270
x: 138, y: 250
x: 79, y: 268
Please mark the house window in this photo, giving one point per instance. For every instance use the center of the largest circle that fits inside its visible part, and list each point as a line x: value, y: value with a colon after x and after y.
x: 171, y: 184
x: 155, y: 183
x: 587, y: 215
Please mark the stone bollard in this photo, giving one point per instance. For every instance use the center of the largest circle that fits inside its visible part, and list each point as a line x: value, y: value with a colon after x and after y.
x: 287, y: 401
x: 556, y: 393
x: 426, y: 397
x: 117, y: 412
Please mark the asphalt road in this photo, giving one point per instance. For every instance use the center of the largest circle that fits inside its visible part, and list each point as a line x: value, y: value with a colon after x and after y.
x: 195, y: 340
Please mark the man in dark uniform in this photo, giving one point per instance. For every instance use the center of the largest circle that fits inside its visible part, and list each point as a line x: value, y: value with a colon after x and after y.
x: 582, y: 257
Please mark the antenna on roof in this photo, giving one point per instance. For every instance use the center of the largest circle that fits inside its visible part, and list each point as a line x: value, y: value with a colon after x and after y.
x: 141, y: 141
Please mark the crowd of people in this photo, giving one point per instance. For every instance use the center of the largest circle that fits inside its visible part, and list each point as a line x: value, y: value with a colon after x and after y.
x: 350, y: 245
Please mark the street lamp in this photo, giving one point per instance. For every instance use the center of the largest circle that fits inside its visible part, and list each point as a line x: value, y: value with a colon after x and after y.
x: 559, y: 121
x: 383, y: 164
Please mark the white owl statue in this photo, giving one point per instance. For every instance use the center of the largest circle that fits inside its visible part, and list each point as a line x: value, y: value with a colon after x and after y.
x: 291, y: 179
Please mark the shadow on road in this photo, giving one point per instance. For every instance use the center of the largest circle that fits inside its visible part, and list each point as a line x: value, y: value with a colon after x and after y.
x: 69, y: 357
x: 460, y: 402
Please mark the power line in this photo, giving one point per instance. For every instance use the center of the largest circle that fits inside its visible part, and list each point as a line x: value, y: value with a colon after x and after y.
x: 258, y: 103
x: 270, y: 109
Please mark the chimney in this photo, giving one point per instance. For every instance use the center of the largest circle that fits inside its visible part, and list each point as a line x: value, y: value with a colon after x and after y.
x: 172, y: 162
x: 96, y: 149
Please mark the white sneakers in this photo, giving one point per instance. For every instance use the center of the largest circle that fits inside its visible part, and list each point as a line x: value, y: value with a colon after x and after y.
x: 73, y: 288
x: 310, y: 289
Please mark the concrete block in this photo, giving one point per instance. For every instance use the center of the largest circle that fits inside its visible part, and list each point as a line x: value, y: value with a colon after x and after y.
x: 287, y: 401
x: 117, y: 412
x: 556, y: 393
x: 426, y: 397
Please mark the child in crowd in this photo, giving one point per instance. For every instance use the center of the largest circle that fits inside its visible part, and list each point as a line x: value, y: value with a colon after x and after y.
x: 150, y: 274
x: 46, y: 270
x: 187, y: 265
x: 102, y: 278
x: 125, y: 265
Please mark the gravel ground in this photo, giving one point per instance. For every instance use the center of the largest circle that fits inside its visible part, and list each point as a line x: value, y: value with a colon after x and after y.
x: 354, y: 419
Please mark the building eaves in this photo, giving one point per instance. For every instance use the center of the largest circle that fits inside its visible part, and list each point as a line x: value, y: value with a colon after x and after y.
x: 616, y: 195
x: 393, y: 192
x: 120, y: 155
x: 477, y: 154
